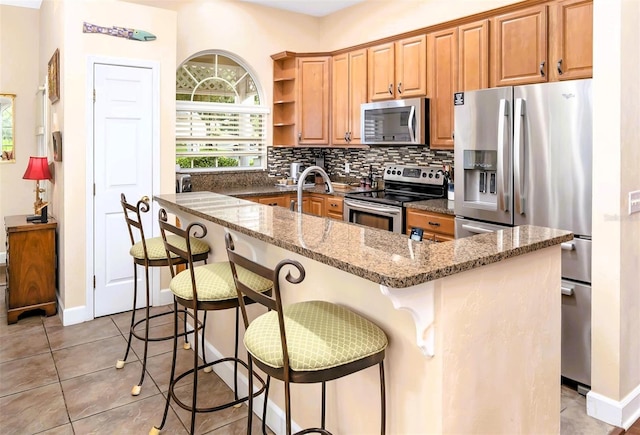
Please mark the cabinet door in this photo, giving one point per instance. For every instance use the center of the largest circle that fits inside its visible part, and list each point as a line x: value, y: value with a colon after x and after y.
x: 340, y: 100
x: 381, y: 72
x: 357, y: 92
x: 313, y: 98
x: 411, y: 67
x: 473, y: 56
x: 519, y: 47
x: 316, y: 205
x: 349, y: 91
x: 443, y: 78
x: 571, y: 34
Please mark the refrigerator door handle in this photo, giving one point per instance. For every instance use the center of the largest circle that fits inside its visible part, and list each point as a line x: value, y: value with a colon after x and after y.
x: 568, y: 246
x: 503, y: 117
x: 518, y: 155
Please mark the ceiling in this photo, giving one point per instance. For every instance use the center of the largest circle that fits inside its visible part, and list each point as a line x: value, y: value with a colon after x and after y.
x: 308, y: 7
x: 316, y: 8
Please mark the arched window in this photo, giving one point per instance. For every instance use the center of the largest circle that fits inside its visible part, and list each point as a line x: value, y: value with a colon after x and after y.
x: 220, y: 116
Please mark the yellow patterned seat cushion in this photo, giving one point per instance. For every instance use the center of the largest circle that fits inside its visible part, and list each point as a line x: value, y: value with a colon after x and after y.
x: 156, y: 251
x: 215, y: 282
x: 320, y: 335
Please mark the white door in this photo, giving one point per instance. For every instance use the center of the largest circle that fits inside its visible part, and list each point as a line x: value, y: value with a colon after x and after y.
x: 123, y: 163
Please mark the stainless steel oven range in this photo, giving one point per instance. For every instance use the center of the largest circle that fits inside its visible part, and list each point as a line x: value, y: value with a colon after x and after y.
x: 384, y: 209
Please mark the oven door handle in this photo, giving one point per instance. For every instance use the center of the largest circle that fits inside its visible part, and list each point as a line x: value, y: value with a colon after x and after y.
x: 360, y: 206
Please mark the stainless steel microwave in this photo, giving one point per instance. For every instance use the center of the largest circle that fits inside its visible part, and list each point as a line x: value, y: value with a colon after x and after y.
x: 395, y: 122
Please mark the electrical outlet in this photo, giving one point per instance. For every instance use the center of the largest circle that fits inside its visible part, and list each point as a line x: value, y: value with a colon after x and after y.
x: 347, y: 168
x: 634, y: 202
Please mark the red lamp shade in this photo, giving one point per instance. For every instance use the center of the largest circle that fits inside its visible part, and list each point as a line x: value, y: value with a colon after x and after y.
x: 38, y: 169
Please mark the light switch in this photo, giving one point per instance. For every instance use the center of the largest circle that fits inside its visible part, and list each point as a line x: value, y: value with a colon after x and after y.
x: 634, y: 202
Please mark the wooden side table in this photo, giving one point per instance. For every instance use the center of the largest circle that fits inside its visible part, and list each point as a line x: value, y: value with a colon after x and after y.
x: 31, y: 266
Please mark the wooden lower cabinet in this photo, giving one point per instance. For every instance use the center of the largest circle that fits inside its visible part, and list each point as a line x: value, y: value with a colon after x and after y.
x: 31, y: 267
x: 312, y: 203
x: 334, y: 207
x: 436, y: 227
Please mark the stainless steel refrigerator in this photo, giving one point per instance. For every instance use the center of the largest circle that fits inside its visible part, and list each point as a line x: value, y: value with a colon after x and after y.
x: 523, y: 155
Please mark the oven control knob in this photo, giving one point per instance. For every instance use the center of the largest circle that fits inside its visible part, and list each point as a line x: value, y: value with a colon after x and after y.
x: 431, y: 175
x: 437, y: 176
x: 424, y: 175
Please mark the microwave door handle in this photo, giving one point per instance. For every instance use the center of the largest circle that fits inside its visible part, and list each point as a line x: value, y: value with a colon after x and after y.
x: 412, y: 119
x: 503, y: 118
x: 518, y: 155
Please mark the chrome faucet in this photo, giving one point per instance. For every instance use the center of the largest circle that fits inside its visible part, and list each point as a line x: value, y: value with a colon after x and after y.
x: 303, y: 176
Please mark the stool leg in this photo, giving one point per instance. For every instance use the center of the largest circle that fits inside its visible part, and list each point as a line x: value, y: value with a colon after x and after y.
x: 120, y: 362
x: 195, y: 371
x: 264, y: 410
x: 235, y: 363
x: 250, y: 400
x: 136, y: 388
x: 324, y: 404
x: 383, y: 407
x: 208, y: 369
x: 156, y: 429
x: 287, y: 405
x: 186, y: 345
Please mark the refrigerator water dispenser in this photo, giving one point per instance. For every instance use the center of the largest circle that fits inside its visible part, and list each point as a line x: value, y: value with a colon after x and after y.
x: 480, y: 177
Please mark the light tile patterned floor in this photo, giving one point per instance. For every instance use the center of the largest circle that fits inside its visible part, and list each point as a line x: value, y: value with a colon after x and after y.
x: 61, y: 380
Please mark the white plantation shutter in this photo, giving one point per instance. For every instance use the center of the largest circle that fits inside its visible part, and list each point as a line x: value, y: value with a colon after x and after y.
x: 229, y: 131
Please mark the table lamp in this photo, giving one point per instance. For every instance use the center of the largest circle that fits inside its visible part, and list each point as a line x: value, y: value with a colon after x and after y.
x: 38, y: 169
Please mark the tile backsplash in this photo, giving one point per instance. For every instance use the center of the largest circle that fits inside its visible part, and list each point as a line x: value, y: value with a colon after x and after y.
x: 359, y: 159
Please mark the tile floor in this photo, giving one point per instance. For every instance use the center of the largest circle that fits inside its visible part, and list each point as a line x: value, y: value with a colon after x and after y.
x: 61, y: 380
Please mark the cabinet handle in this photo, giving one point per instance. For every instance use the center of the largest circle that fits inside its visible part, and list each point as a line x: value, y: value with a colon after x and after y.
x: 299, y: 136
x: 349, y: 139
x: 390, y: 88
x: 559, y: 66
x: 346, y: 136
x: 434, y: 224
x: 542, y: 68
x: 400, y: 87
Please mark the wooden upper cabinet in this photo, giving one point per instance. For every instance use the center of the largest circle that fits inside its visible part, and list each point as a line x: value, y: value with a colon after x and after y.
x: 313, y: 100
x: 571, y: 39
x: 381, y: 72
x: 349, y: 91
x: 398, y: 69
x: 458, y: 60
x: 473, y: 56
x: 411, y: 67
x: 443, y: 82
x: 519, y: 47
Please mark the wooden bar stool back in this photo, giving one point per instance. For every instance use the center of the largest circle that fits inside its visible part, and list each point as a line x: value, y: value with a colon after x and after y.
x: 305, y: 342
x: 201, y: 289
x: 148, y: 252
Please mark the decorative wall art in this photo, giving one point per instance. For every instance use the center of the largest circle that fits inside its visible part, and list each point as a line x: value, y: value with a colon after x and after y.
x: 53, y: 76
x: 120, y: 32
x: 57, y: 146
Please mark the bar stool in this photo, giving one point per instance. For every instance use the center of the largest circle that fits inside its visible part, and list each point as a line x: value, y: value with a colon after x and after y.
x: 203, y: 288
x: 149, y: 253
x: 305, y: 342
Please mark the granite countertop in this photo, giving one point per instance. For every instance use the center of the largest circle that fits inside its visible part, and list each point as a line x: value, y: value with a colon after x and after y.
x: 383, y: 257
x: 273, y: 189
x: 440, y: 205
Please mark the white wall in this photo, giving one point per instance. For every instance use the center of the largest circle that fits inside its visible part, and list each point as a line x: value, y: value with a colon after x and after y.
x: 19, y: 75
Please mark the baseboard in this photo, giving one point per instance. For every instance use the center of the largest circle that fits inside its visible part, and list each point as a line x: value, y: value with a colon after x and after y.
x: 166, y: 297
x: 72, y: 316
x: 275, y: 415
x: 621, y: 414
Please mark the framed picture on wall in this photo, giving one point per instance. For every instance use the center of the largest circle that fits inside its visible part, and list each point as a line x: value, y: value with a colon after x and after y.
x: 53, y: 76
x: 57, y: 146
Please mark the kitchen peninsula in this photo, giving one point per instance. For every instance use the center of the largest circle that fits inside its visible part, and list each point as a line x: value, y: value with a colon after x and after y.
x: 478, y: 350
